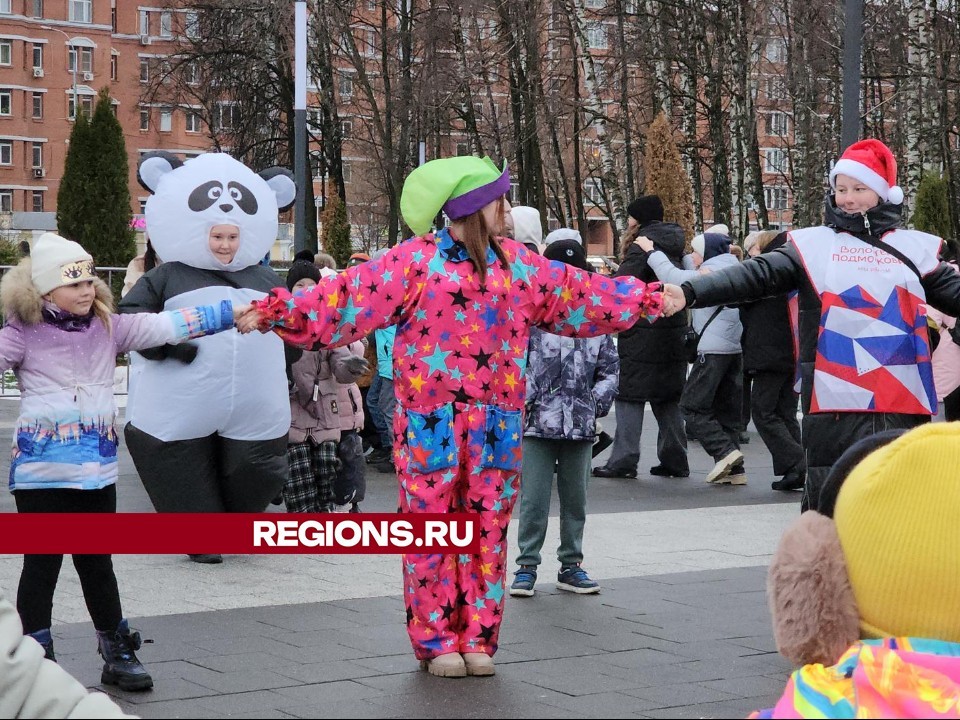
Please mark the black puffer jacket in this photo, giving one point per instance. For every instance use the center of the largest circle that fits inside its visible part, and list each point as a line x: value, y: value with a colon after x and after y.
x: 652, y: 364
x: 767, y: 336
x: 781, y: 271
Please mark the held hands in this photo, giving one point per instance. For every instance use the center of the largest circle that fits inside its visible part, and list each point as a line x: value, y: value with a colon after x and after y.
x: 644, y: 243
x: 673, y: 300
x: 246, y: 318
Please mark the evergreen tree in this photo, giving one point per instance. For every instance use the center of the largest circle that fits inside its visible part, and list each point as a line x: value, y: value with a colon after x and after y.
x: 335, y: 235
x: 666, y: 176
x: 93, y: 205
x: 931, y: 211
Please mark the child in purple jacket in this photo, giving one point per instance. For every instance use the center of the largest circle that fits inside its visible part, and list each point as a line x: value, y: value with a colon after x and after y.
x: 61, y: 339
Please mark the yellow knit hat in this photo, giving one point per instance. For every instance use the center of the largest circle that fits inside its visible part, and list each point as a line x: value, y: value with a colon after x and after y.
x: 898, y: 519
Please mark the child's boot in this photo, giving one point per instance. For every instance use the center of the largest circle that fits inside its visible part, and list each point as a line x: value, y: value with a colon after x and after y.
x: 120, y: 664
x: 46, y: 642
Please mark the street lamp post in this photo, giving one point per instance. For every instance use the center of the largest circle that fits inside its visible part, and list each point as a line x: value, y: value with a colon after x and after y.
x: 852, y: 44
x: 300, y: 125
x: 76, y: 61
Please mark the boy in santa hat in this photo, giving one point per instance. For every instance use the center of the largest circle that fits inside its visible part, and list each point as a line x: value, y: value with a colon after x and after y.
x: 863, y: 281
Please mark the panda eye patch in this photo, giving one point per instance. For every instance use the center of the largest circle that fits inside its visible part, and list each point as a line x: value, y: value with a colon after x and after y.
x: 203, y: 196
x: 244, y: 199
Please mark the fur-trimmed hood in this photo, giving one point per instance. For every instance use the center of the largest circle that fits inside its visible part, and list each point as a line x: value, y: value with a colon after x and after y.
x: 19, y: 297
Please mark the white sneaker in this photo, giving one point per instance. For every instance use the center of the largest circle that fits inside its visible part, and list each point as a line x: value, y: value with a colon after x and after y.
x: 724, y: 466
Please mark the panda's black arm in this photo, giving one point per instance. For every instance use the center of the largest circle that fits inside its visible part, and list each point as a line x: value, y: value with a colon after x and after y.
x: 146, y: 296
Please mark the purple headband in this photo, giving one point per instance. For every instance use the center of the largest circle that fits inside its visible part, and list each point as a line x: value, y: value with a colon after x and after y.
x: 475, y: 199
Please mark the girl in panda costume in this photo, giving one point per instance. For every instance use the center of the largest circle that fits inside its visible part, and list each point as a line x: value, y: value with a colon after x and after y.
x: 208, y: 421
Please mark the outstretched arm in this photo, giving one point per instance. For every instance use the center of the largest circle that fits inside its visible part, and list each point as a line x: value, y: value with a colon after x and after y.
x: 345, y: 307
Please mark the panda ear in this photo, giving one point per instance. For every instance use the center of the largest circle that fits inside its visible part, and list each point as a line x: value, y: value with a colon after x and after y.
x: 154, y: 165
x: 281, y: 182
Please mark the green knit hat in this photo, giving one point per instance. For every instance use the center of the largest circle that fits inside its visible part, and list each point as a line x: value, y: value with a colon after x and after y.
x: 460, y: 186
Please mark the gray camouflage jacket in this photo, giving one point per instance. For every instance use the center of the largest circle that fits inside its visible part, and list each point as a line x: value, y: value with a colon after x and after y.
x: 570, y: 383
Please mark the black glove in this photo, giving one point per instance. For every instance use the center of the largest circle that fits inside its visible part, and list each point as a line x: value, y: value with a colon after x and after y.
x: 185, y: 352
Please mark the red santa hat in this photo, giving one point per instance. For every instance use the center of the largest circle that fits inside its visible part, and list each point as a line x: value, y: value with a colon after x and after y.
x: 872, y: 163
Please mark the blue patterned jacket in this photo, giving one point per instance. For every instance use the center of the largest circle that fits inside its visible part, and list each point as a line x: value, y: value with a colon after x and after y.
x: 570, y: 383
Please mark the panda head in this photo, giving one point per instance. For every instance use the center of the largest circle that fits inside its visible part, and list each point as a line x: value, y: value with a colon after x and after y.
x: 188, y: 199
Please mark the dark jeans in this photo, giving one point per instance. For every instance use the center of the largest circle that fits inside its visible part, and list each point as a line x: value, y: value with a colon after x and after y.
x: 951, y: 406
x: 774, y: 406
x: 711, y: 403
x: 38, y: 581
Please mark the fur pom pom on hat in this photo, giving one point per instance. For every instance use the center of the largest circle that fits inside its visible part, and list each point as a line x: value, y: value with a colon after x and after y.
x: 872, y: 163
x: 58, y: 262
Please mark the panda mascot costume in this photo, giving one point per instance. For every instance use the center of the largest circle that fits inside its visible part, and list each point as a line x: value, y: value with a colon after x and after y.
x: 208, y: 420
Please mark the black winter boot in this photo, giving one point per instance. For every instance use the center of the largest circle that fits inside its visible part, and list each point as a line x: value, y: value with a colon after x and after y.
x: 121, y: 666
x: 46, y: 642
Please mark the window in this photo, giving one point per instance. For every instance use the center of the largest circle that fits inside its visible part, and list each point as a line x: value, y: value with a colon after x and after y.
x: 113, y: 66
x: 113, y: 19
x: 370, y: 43
x: 346, y: 128
x: 81, y: 11
x: 191, y: 24
x: 144, y: 119
x: 6, y: 102
x: 514, y: 196
x: 775, y: 198
x: 193, y: 122
x: 314, y: 120
x: 5, y: 7
x: 37, y: 55
x: 6, y: 196
x: 6, y: 52
x: 38, y: 200
x: 86, y: 105
x: 6, y: 152
x: 596, y: 36
x: 166, y: 25
x: 86, y: 60
x: 593, y: 191
x: 144, y: 70
x: 144, y: 22
x: 190, y: 73
x: 347, y: 171
x: 463, y: 149
x: 595, y: 4
x: 227, y: 116
x: 776, y: 89
x: 776, y: 50
x: 166, y: 121
x: 775, y: 161
x: 346, y: 86
x: 143, y: 207
x: 71, y: 58
x: 37, y: 106
x: 778, y: 123
x: 37, y: 8
x: 38, y: 155
x: 316, y: 164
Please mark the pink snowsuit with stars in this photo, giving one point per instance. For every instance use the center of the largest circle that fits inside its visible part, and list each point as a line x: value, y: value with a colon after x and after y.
x: 459, y: 364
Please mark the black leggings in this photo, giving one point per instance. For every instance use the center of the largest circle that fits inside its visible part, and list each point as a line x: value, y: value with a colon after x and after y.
x: 38, y: 581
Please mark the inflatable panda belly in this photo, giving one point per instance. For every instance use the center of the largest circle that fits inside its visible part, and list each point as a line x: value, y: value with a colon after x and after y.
x: 236, y: 386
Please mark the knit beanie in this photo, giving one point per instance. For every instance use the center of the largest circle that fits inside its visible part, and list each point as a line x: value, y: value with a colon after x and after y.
x: 57, y: 261
x: 710, y: 245
x: 302, y: 267
x: 563, y: 234
x: 570, y: 252
x: 526, y: 225
x: 896, y: 518
x: 460, y: 186
x: 718, y: 229
x: 872, y: 163
x: 646, y: 209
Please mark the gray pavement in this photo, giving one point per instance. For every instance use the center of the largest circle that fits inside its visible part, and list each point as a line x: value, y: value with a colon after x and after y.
x: 680, y: 628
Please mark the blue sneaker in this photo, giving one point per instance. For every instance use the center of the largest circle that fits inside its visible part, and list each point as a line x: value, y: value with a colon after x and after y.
x: 574, y: 578
x: 523, y: 582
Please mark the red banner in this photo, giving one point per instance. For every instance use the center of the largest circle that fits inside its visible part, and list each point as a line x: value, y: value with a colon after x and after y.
x: 237, y: 533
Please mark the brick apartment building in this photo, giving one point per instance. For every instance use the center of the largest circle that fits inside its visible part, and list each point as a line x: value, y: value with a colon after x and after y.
x: 58, y: 53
